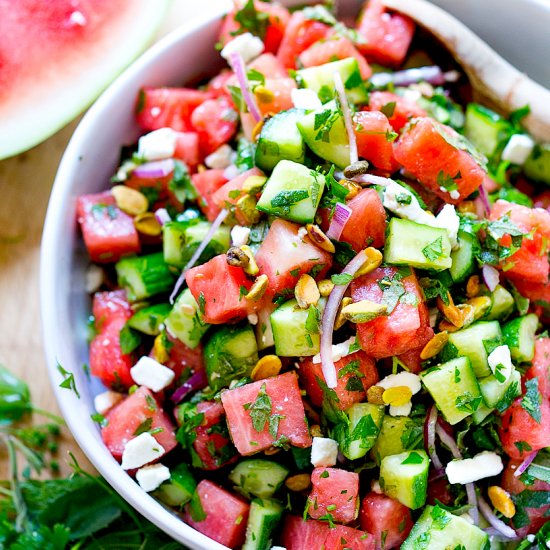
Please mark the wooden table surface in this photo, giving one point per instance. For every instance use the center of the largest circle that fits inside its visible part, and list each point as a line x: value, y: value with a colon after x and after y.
x: 25, y: 185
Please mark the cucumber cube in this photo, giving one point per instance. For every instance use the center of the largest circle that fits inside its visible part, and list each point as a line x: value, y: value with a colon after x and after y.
x: 325, y: 134
x: 293, y: 334
x: 179, y: 489
x: 485, y: 129
x: 149, y: 319
x: 463, y: 258
x: 404, y: 477
x: 185, y: 321
x: 438, y: 529
x: 502, y: 303
x: 292, y: 192
x: 397, y: 434
x: 320, y: 79
x: 537, y: 166
x: 280, y: 139
x: 454, y: 388
x: 519, y: 336
x: 230, y: 354
x: 474, y: 342
x: 493, y: 391
x: 263, y: 519
x: 258, y: 477
x: 411, y: 243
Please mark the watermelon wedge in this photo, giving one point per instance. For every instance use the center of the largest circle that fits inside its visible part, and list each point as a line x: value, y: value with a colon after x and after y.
x: 57, y: 56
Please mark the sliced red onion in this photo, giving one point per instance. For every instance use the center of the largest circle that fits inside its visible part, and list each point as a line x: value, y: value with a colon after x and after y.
x: 526, y: 463
x: 491, y: 276
x: 200, y: 249
x: 499, y: 525
x: 484, y: 198
x: 329, y: 316
x: 432, y: 74
x: 156, y: 169
x: 448, y: 441
x: 196, y: 382
x: 472, y: 501
x: 162, y: 216
x: 339, y: 220
x: 429, y: 437
x: 372, y: 179
x: 346, y: 111
x: 237, y: 64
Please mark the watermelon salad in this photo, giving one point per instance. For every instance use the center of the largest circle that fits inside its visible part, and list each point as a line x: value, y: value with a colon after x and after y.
x: 320, y: 288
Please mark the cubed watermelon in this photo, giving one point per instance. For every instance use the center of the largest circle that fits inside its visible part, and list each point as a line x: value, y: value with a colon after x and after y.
x: 398, y: 109
x: 304, y: 535
x: 540, y: 368
x: 347, y: 538
x: 222, y: 516
x: 335, y: 492
x: 109, y: 305
x: 188, y: 149
x: 269, y: 66
x: 207, y: 183
x: 265, y: 413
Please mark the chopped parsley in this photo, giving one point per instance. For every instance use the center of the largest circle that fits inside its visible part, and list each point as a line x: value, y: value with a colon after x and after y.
x: 532, y: 399
x: 260, y: 409
x: 434, y: 250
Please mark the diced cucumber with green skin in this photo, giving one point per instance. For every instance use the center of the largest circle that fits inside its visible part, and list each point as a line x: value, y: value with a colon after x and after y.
x: 488, y: 131
x: 320, y: 79
x: 292, y: 192
x: 493, y: 391
x: 437, y: 529
x: 454, y: 388
x: 263, y: 519
x: 258, y: 477
x: 293, y: 338
x: 325, y: 134
x: 181, y: 240
x: 537, y: 166
x: 144, y: 276
x: 502, y: 303
x: 179, y: 489
x: 482, y: 412
x: 149, y: 319
x: 357, y: 438
x: 230, y: 353
x: 397, y: 434
x: 404, y: 477
x: 519, y: 336
x: 472, y: 342
x: 185, y: 325
x: 463, y: 259
x: 280, y: 139
x: 413, y: 244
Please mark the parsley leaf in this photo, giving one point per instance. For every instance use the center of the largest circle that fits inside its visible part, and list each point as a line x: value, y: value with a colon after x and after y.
x: 251, y: 20
x: 509, y: 395
x: 413, y: 458
x: 467, y: 402
x: 260, y: 409
x: 286, y: 199
x: 446, y: 181
x: 69, y: 381
x: 129, y: 339
x: 434, y: 250
x: 532, y: 399
x: 341, y: 279
x: 323, y: 122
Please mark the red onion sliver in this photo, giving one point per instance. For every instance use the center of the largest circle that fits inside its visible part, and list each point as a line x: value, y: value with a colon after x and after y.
x: 432, y: 74
x: 499, y: 525
x: 339, y: 85
x: 429, y: 432
x: 329, y: 316
x: 200, y: 249
x: 484, y: 198
x: 197, y: 381
x: 156, y: 169
x: 339, y: 220
x: 448, y: 441
x: 491, y: 276
x: 372, y: 179
x: 237, y: 64
x: 162, y: 216
x: 526, y: 463
x: 472, y: 501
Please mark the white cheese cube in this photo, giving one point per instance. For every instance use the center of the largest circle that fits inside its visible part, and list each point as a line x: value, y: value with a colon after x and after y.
x: 278, y: 548
x: 448, y: 219
x: 246, y: 45
x: 468, y: 470
x: 157, y: 145
x: 500, y: 362
x: 403, y: 203
x: 324, y: 452
x: 239, y: 235
x: 303, y: 98
x: 401, y: 410
x: 221, y: 158
x: 105, y: 401
x: 139, y: 451
x: 151, y: 374
x: 404, y: 378
x: 151, y: 477
x: 338, y: 351
x: 518, y: 149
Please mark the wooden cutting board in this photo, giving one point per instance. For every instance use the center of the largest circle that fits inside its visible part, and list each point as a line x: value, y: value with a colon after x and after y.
x: 25, y: 185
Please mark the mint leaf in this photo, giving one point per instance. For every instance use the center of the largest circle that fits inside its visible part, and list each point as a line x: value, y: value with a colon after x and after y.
x: 467, y: 402
x: 388, y: 109
x: 285, y: 199
x: 129, y: 339
x: 434, y: 250
x: 532, y: 399
x: 251, y: 20
x: 413, y: 458
x: 260, y: 409
x: 341, y: 279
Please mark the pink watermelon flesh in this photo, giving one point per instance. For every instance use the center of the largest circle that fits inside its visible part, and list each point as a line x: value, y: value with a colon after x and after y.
x: 57, y: 56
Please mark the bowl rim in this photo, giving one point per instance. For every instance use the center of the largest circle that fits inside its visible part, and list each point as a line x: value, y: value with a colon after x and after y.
x: 51, y: 247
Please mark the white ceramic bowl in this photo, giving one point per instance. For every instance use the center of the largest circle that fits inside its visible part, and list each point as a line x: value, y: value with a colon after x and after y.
x: 87, y: 165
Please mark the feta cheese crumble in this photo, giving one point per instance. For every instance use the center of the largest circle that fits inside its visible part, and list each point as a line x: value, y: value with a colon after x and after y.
x: 221, y: 158
x: 105, y: 401
x: 151, y: 374
x: 239, y: 235
x: 518, y: 149
x: 468, y: 470
x: 140, y: 450
x: 404, y: 378
x: 324, y: 452
x: 151, y: 477
x: 303, y: 98
x: 500, y: 362
x: 246, y: 45
x: 338, y: 351
x: 157, y: 145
